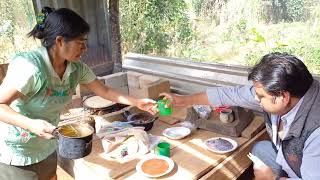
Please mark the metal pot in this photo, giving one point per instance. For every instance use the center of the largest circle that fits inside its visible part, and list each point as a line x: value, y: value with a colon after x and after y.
x: 75, y: 147
x: 144, y: 119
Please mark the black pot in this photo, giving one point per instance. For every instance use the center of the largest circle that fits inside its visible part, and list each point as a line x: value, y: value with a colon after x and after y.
x: 144, y: 119
x: 75, y: 147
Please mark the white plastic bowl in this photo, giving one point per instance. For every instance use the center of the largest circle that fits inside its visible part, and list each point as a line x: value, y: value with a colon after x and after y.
x: 176, y: 132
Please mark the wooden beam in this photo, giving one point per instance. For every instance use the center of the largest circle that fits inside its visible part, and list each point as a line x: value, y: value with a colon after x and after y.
x: 3, y: 71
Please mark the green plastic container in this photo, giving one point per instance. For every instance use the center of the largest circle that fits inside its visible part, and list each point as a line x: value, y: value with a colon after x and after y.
x: 163, y: 109
x: 163, y: 149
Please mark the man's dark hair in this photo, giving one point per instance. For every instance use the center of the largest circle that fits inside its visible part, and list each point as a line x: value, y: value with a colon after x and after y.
x: 61, y: 22
x: 279, y: 72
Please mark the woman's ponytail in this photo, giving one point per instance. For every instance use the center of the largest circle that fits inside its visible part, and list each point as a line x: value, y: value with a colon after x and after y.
x: 61, y: 22
x: 38, y: 31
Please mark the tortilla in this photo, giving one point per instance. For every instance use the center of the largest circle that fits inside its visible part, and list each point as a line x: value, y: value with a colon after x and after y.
x: 155, y: 167
x: 96, y: 102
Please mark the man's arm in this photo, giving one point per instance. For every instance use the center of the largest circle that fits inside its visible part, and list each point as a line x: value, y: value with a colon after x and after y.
x: 243, y: 96
x: 311, y: 158
x: 188, y: 100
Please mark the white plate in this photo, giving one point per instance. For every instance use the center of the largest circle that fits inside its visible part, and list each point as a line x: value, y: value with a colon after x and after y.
x: 233, y: 142
x: 176, y: 132
x: 168, y: 160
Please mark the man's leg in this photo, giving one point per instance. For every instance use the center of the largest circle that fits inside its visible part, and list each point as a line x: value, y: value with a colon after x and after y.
x: 267, y: 153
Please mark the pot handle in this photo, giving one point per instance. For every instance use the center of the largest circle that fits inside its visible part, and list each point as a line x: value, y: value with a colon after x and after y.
x: 55, y: 133
x: 88, y: 143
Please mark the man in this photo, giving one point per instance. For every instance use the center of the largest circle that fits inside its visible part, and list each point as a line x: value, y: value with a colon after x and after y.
x: 285, y: 91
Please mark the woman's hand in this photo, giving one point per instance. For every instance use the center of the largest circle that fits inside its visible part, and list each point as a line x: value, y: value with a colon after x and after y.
x: 41, y: 128
x: 148, y: 105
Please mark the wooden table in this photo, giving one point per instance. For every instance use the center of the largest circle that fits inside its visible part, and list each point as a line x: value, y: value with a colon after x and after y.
x: 192, y: 160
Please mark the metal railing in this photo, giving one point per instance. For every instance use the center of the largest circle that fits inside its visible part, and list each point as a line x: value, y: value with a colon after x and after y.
x: 187, y: 76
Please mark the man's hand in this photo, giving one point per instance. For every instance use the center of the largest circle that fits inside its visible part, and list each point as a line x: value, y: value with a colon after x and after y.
x: 41, y: 128
x: 175, y: 100
x: 264, y: 173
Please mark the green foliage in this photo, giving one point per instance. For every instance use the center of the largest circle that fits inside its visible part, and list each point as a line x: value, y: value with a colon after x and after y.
x: 242, y: 25
x: 251, y: 35
x: 209, y: 9
x: 257, y: 36
x: 285, y: 10
x: 16, y: 20
x: 295, y: 10
x: 308, y: 51
x: 224, y: 31
x: 305, y: 46
x: 151, y: 26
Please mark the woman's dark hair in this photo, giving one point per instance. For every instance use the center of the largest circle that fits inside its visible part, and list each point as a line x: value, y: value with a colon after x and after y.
x: 279, y: 72
x: 61, y: 22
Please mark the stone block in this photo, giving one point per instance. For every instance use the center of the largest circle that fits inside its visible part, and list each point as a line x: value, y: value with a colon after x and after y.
x: 133, y: 79
x: 243, y: 118
x: 156, y: 88
x: 129, y: 83
x: 138, y: 92
x: 123, y: 89
x: 115, y: 80
x: 151, y: 91
x: 146, y: 80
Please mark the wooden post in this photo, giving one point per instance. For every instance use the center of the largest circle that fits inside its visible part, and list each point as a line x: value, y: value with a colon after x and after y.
x: 3, y: 71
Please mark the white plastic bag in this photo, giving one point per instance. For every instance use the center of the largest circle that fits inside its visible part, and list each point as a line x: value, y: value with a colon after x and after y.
x: 203, y: 111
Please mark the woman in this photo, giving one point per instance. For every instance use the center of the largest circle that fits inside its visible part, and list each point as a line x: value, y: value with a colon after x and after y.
x: 37, y: 87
